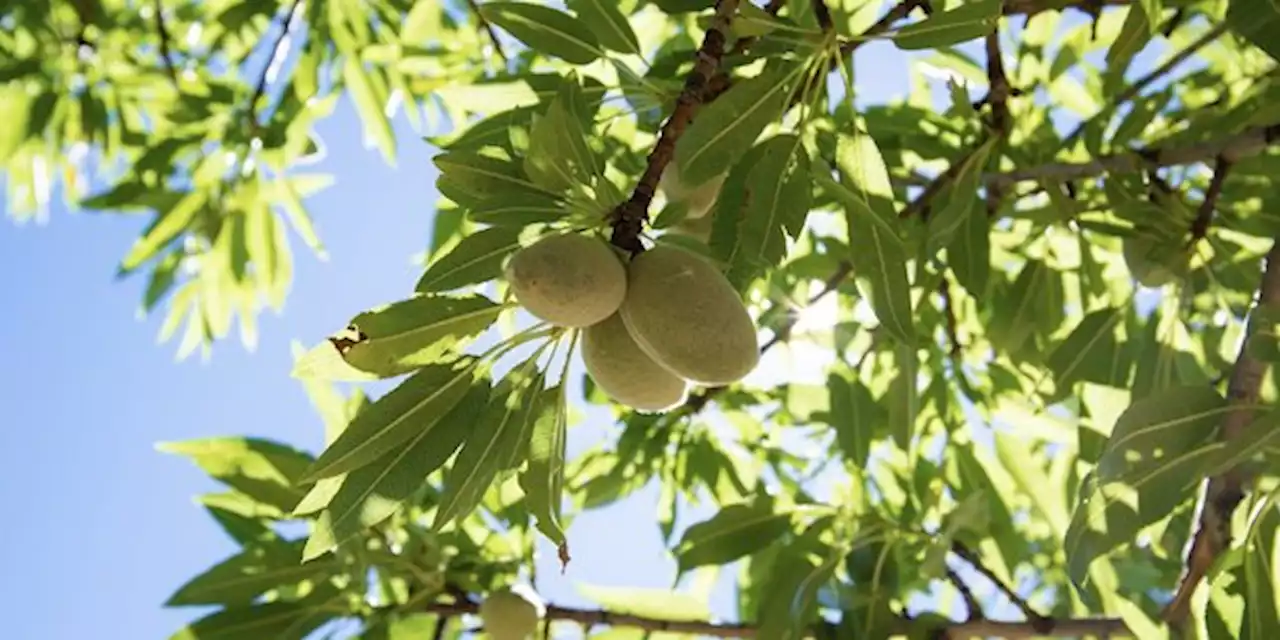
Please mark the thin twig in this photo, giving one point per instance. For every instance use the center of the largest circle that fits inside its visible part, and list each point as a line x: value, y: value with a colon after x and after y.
x: 1039, y: 622
x: 949, y: 313
x: 1224, y: 492
x: 165, y: 48
x: 1204, y: 217
x: 998, y: 90
x: 260, y: 89
x: 442, y: 627
x: 1068, y: 627
x: 1247, y: 143
x: 970, y: 601
x: 493, y: 35
x: 629, y: 217
x: 823, y: 15
x: 1142, y: 83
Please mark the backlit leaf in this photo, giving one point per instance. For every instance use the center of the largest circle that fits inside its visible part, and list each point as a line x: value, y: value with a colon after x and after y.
x: 243, y: 577
x: 543, y: 480
x: 264, y: 470
x: 477, y: 258
x: 608, y: 23
x: 969, y: 21
x: 545, y: 30
x: 390, y: 421
x: 735, y: 531
x: 726, y: 128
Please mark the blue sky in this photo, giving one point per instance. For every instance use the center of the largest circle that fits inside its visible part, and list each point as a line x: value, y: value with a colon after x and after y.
x: 102, y: 527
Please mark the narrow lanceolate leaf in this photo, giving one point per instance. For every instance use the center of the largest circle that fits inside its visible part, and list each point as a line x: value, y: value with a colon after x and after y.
x: 476, y: 259
x: 491, y: 445
x: 1257, y: 21
x: 775, y: 207
x: 260, y: 469
x: 543, y: 479
x: 1092, y: 353
x: 467, y: 178
x: 903, y: 396
x: 1261, y: 434
x: 1260, y: 607
x: 374, y: 492
x: 558, y: 157
x: 417, y: 404
x: 608, y: 23
x: 962, y: 199
x: 1133, y: 36
x: 545, y: 30
x: 1161, y: 448
x: 280, y: 620
x: 240, y: 579
x: 519, y: 211
x: 403, y: 336
x: 726, y: 128
x: 969, y: 254
x: 167, y: 226
x: 792, y: 600
x: 369, y: 106
x: 876, y: 250
x: 736, y: 531
x: 966, y: 22
x: 855, y: 416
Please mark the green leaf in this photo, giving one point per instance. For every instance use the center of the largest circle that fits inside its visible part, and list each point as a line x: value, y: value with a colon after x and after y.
x: 1031, y: 307
x: 166, y: 227
x: 766, y: 199
x: 390, y: 421
x: 406, y: 335
x: 374, y: 492
x: 543, y: 480
x: 1133, y: 36
x: 1161, y: 447
x: 962, y: 200
x: 477, y: 258
x: 969, y: 255
x: 855, y: 416
x: 520, y: 211
x: 493, y: 445
x: 261, y: 469
x: 558, y: 157
x: 969, y: 21
x: 1258, y: 21
x: 792, y: 599
x: 608, y: 23
x: 903, y: 396
x: 1092, y: 353
x: 240, y: 579
x: 651, y: 603
x: 278, y: 620
x: 244, y: 530
x: 1260, y: 607
x: 468, y: 177
x: 735, y: 531
x: 370, y: 108
x: 725, y: 129
x: 545, y: 30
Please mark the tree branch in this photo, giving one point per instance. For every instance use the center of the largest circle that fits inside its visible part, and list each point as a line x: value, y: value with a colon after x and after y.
x: 165, y: 47
x: 488, y: 28
x: 1142, y: 83
x: 970, y: 601
x: 1204, y: 217
x: 629, y: 217
x: 1224, y: 492
x: 958, y: 630
x: 949, y: 314
x: 1242, y: 145
x: 1038, y: 622
x: 260, y: 89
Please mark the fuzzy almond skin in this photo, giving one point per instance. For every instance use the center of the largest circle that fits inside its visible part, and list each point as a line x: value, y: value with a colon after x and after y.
x: 698, y: 198
x: 684, y: 313
x: 625, y: 372
x: 569, y: 280
x: 507, y: 615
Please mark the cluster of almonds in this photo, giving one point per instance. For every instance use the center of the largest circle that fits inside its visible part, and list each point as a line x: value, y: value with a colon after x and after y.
x: 652, y: 325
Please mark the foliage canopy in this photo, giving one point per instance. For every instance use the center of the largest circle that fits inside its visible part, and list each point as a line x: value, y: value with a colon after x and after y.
x: 1042, y: 297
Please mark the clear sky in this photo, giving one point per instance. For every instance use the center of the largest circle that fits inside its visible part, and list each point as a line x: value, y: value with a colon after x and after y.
x: 100, y: 527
